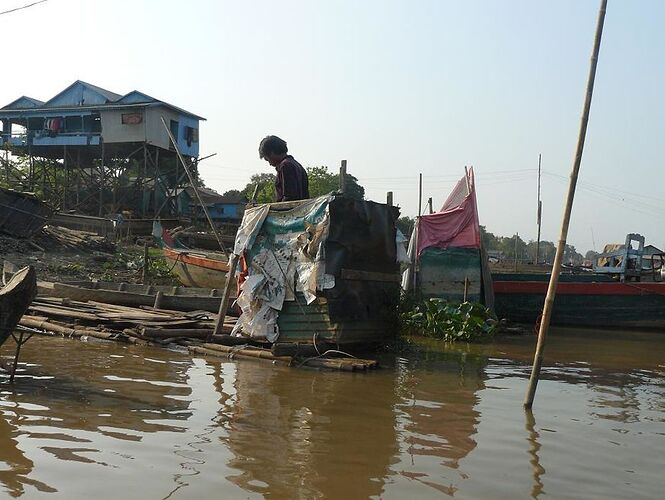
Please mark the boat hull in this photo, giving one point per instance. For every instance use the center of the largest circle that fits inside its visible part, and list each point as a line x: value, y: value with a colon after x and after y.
x: 125, y: 294
x: 15, y: 297
x: 195, y: 269
x: 589, y: 304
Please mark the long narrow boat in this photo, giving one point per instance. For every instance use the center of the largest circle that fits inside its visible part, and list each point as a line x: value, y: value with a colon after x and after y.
x: 195, y: 268
x: 128, y: 294
x: 15, y: 297
x: 592, y: 301
x: 620, y: 292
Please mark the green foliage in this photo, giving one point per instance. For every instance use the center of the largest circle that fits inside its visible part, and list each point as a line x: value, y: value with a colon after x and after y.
x: 266, y: 192
x: 510, y: 246
x: 447, y: 321
x: 406, y: 225
x: 235, y: 195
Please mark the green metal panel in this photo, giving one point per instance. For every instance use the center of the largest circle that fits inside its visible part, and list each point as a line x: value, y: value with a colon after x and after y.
x: 441, y: 273
x: 299, y: 322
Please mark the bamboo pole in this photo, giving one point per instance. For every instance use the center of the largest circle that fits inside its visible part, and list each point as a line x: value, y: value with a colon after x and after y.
x: 342, y: 177
x: 226, y: 294
x: 556, y: 270
x: 539, y: 215
x: 193, y: 184
x: 420, y: 194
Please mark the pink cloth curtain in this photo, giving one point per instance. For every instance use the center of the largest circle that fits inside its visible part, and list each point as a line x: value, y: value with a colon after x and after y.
x: 456, y: 225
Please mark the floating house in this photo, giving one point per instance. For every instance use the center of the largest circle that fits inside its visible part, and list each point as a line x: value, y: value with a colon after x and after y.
x: 94, y: 151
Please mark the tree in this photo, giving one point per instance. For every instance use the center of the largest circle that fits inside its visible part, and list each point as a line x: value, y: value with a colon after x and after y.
x: 323, y: 182
x: 235, y: 195
x: 266, y: 190
x: 591, y: 255
x: 406, y: 225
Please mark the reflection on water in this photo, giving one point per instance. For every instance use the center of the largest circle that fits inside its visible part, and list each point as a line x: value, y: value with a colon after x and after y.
x: 85, y: 417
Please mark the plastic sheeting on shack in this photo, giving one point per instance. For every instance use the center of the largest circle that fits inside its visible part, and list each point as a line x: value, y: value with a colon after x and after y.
x: 323, y: 267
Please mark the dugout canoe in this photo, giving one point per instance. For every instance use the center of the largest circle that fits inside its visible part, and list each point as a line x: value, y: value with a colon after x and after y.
x: 15, y: 297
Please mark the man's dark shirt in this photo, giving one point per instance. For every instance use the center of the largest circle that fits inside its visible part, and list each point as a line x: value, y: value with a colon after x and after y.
x: 291, y: 181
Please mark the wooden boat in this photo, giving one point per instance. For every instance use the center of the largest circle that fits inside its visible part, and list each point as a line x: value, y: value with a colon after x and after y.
x: 581, y: 300
x: 15, y: 297
x: 617, y: 294
x: 127, y: 294
x: 195, y: 268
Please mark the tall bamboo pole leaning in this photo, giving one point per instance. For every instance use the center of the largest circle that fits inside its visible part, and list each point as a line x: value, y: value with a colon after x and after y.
x: 554, y: 279
x: 193, y: 184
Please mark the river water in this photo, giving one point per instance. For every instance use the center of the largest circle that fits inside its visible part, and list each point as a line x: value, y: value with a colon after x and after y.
x: 103, y: 420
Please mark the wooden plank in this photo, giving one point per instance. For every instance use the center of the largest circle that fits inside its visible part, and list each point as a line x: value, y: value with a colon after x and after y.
x: 355, y: 274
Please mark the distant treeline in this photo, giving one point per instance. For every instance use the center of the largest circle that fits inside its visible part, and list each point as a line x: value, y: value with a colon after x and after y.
x: 507, y: 247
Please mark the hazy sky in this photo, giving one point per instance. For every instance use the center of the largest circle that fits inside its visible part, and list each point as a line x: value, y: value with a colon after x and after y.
x: 394, y: 87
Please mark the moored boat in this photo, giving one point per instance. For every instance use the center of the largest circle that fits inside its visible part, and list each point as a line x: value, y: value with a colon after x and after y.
x: 623, y: 291
x: 581, y: 301
x: 128, y: 294
x: 195, y: 268
x: 15, y: 297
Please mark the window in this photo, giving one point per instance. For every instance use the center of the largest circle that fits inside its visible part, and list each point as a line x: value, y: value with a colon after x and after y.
x: 191, y: 135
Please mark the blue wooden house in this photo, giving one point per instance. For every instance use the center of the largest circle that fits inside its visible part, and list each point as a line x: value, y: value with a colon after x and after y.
x: 90, y: 132
x: 220, y: 208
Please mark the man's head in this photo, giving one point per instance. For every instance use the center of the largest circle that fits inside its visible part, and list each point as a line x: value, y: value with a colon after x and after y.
x: 273, y: 149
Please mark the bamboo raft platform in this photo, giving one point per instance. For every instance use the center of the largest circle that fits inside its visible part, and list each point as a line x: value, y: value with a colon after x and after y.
x: 193, y: 330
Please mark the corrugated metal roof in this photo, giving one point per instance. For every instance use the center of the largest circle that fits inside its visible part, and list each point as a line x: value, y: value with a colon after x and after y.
x: 24, y: 102
x: 74, y: 97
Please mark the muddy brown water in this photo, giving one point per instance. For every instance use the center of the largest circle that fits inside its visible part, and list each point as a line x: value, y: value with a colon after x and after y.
x: 102, y: 420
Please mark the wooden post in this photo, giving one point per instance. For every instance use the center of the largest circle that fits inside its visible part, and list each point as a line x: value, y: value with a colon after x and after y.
x: 540, y: 211
x: 66, y: 183
x: 389, y: 198
x: 144, y: 279
x: 429, y: 205
x: 101, y: 183
x: 159, y: 300
x: 516, y: 237
x: 342, y: 177
x: 556, y: 269
x: 420, y: 194
x: 226, y: 294
x: 255, y: 193
x: 466, y: 288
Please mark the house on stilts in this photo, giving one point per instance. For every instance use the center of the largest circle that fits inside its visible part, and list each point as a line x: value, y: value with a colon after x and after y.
x: 95, y: 152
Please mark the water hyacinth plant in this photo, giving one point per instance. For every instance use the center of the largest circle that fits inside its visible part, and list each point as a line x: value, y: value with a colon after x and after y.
x: 448, y: 321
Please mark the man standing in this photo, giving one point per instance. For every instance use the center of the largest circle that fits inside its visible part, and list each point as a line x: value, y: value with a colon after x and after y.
x: 291, y: 179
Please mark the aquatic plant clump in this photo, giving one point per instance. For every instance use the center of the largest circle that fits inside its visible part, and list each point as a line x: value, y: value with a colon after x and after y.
x: 448, y: 321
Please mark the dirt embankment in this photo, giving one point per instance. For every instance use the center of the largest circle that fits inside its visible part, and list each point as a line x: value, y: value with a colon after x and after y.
x: 75, y: 258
